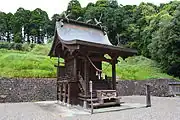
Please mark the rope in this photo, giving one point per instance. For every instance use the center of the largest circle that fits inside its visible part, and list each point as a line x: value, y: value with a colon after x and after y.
x: 94, y: 65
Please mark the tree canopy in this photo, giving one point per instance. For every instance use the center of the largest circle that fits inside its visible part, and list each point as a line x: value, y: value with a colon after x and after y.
x: 152, y: 30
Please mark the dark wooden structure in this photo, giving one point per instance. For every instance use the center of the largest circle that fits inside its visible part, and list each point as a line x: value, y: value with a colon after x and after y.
x: 83, y: 48
x: 174, y: 87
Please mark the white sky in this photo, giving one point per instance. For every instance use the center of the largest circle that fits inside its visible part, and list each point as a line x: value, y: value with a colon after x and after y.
x: 57, y: 6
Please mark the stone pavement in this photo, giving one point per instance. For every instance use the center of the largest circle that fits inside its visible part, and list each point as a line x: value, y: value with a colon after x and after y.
x: 133, y: 109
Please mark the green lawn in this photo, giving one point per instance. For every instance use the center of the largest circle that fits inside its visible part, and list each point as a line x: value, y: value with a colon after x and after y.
x: 37, y: 64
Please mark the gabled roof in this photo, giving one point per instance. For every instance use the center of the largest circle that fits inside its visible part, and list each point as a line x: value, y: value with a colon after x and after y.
x: 70, y: 32
x: 80, y: 31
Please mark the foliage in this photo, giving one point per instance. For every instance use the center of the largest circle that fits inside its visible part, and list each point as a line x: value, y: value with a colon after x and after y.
x: 25, y: 26
x: 152, y: 30
x: 17, y: 38
x: 41, y: 50
x: 4, y: 45
x: 17, y: 46
x: 136, y: 68
x: 74, y: 9
x: 26, y: 47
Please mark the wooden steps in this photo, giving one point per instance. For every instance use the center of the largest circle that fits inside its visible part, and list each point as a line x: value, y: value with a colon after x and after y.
x: 96, y: 105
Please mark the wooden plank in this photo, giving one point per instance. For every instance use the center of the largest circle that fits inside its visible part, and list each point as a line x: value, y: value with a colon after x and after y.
x: 97, y: 59
x: 84, y: 99
x: 105, y: 104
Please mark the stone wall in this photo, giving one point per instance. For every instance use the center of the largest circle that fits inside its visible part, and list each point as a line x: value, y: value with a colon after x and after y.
x: 159, y: 87
x: 27, y: 89
x: 44, y: 89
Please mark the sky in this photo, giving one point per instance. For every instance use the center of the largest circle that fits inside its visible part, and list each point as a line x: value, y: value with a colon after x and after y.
x: 57, y: 6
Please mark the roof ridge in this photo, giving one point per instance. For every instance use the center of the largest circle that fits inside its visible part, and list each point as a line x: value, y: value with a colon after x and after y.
x: 71, y: 21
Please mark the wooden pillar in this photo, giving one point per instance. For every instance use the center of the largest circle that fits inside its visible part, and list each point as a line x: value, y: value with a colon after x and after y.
x: 58, y: 89
x: 64, y: 99
x: 68, y: 97
x: 75, y: 68
x: 114, y: 75
x: 58, y: 79
x: 86, y: 78
x: 60, y: 93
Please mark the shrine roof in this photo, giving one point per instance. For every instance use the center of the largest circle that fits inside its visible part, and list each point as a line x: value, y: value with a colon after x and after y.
x: 75, y: 30
x: 71, y: 32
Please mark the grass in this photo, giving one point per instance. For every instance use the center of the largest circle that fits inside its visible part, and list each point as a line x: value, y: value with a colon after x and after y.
x: 136, y: 68
x: 37, y: 64
x: 26, y: 64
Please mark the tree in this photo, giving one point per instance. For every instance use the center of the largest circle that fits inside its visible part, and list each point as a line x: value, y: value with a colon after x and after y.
x: 22, y: 20
x: 39, y: 22
x: 74, y: 9
x: 51, y: 25
x: 8, y: 26
x: 113, y: 3
x: 2, y: 25
x: 102, y: 3
x: 164, y: 46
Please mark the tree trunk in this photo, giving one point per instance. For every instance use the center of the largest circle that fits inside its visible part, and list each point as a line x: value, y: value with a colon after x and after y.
x: 8, y: 37
x: 28, y: 40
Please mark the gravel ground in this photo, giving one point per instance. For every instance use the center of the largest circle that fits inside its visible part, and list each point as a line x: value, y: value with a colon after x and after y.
x: 162, y: 109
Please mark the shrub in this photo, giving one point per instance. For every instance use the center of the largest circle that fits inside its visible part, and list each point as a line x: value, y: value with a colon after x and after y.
x: 50, y: 40
x: 11, y: 46
x: 17, y: 38
x: 32, y: 45
x: 26, y: 47
x: 41, y: 49
x: 4, y: 45
x: 18, y: 46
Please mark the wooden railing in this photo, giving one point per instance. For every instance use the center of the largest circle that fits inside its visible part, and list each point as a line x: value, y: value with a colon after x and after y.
x: 63, y: 89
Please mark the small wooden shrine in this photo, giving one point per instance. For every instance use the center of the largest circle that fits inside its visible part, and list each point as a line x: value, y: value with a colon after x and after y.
x: 83, y: 47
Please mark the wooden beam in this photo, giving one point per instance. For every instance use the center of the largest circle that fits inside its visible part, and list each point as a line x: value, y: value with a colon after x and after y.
x: 97, y: 59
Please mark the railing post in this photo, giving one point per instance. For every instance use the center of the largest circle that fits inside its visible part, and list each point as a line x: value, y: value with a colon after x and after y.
x: 90, y: 89
x: 148, y: 96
